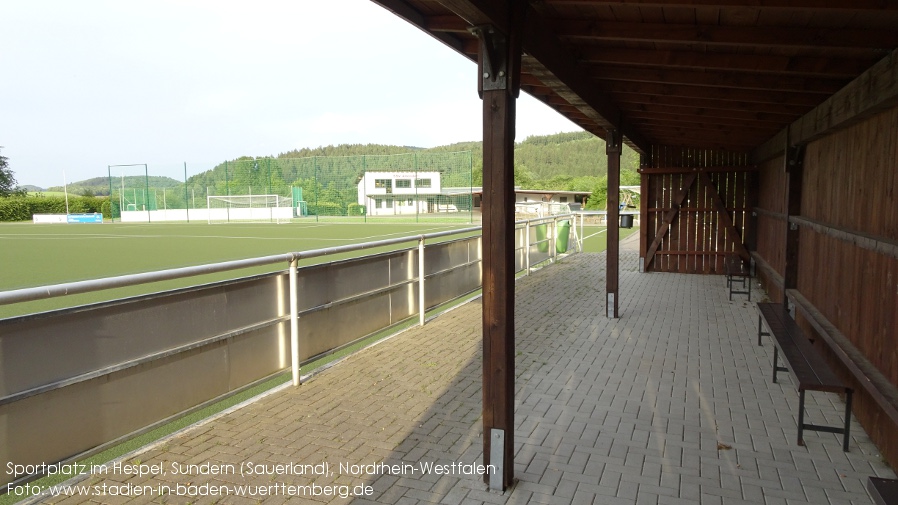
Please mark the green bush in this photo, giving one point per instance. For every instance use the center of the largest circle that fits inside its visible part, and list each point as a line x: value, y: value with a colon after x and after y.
x: 19, y: 208
x: 354, y: 209
x: 328, y: 209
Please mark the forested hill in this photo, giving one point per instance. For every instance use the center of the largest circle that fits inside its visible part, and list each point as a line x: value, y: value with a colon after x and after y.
x: 537, y: 158
x: 99, y: 186
x: 564, y: 161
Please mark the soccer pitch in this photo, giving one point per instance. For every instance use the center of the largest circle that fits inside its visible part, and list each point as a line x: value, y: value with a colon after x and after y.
x: 38, y: 255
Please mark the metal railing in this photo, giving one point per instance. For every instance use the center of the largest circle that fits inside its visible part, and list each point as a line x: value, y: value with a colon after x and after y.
x: 184, y: 348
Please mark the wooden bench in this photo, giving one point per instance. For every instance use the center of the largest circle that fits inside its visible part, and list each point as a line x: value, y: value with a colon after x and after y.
x: 736, y: 271
x: 807, y: 367
x: 883, y: 491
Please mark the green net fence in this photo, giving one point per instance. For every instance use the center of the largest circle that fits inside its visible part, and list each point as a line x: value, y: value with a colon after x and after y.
x: 407, y: 187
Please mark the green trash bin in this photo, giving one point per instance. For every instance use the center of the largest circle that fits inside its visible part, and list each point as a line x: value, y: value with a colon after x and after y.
x: 562, y: 232
x: 542, y: 245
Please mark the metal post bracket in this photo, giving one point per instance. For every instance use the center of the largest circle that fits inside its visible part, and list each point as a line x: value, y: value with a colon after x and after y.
x: 494, y: 64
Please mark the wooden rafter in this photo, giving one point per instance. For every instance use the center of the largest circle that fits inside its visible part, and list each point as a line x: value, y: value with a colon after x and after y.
x: 704, y: 112
x: 762, y: 63
x: 708, y: 103
x: 747, y: 96
x: 752, y: 36
x: 687, y: 170
x: 737, y: 80
x: 793, y: 5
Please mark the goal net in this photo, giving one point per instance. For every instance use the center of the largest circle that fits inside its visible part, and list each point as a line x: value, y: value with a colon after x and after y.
x: 250, y: 208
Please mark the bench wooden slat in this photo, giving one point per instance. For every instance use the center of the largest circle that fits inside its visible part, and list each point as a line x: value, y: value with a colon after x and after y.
x: 808, y: 368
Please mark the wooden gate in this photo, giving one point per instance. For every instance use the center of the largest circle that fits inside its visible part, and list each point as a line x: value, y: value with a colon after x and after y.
x: 694, y: 216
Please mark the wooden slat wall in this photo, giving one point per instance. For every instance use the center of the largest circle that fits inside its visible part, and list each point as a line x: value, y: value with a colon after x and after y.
x: 851, y: 181
x: 697, y: 242
x: 771, y: 228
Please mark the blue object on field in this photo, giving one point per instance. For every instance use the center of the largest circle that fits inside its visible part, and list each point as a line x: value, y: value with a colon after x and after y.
x: 96, y: 217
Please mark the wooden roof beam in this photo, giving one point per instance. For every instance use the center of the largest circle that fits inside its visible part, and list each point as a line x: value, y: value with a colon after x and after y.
x: 627, y: 100
x: 634, y: 109
x: 691, y: 140
x: 446, y: 23
x: 544, y: 47
x: 763, y: 63
x: 751, y: 36
x: 736, y: 95
x: 643, y: 117
x: 792, y: 5
x: 738, y: 80
x: 655, y: 124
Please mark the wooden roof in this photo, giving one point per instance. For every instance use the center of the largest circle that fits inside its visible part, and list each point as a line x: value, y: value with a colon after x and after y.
x: 723, y: 74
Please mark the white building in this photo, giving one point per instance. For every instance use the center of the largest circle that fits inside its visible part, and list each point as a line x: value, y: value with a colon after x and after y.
x: 395, y: 193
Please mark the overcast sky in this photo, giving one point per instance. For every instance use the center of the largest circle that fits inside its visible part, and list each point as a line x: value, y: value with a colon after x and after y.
x: 85, y: 84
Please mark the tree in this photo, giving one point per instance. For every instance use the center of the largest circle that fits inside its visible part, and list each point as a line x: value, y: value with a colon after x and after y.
x: 8, y: 185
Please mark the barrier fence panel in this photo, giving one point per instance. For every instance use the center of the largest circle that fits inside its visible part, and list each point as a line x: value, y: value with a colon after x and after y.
x: 123, y: 366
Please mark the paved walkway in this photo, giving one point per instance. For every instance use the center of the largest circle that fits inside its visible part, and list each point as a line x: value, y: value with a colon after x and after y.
x: 670, y: 404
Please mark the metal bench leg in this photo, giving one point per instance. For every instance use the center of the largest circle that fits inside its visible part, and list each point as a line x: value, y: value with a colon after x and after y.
x: 847, y: 420
x: 801, y: 417
x: 775, y: 356
x: 760, y: 331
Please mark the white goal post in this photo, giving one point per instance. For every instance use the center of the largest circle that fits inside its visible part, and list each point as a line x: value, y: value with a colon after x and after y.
x: 249, y: 208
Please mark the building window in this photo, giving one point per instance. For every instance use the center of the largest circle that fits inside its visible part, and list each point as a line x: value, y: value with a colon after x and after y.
x: 563, y: 199
x: 403, y: 183
x: 422, y: 183
x: 389, y: 203
x: 378, y: 203
x: 409, y: 202
x: 383, y: 183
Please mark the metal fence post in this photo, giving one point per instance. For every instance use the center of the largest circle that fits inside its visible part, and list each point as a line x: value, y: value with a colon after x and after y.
x: 421, y: 307
x: 527, y: 246
x: 553, y: 239
x: 582, y: 219
x: 294, y: 322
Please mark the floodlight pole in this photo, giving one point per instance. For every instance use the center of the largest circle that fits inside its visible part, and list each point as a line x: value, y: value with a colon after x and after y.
x: 186, y: 197
x: 146, y: 191
x: 65, y: 188
x: 109, y: 172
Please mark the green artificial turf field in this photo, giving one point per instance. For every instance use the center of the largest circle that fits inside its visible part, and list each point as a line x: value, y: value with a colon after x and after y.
x: 37, y: 255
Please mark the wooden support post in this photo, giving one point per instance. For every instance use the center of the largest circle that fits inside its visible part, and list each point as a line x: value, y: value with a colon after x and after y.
x: 644, y: 220
x: 795, y: 169
x: 498, y: 62
x: 754, y: 188
x: 612, y: 252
